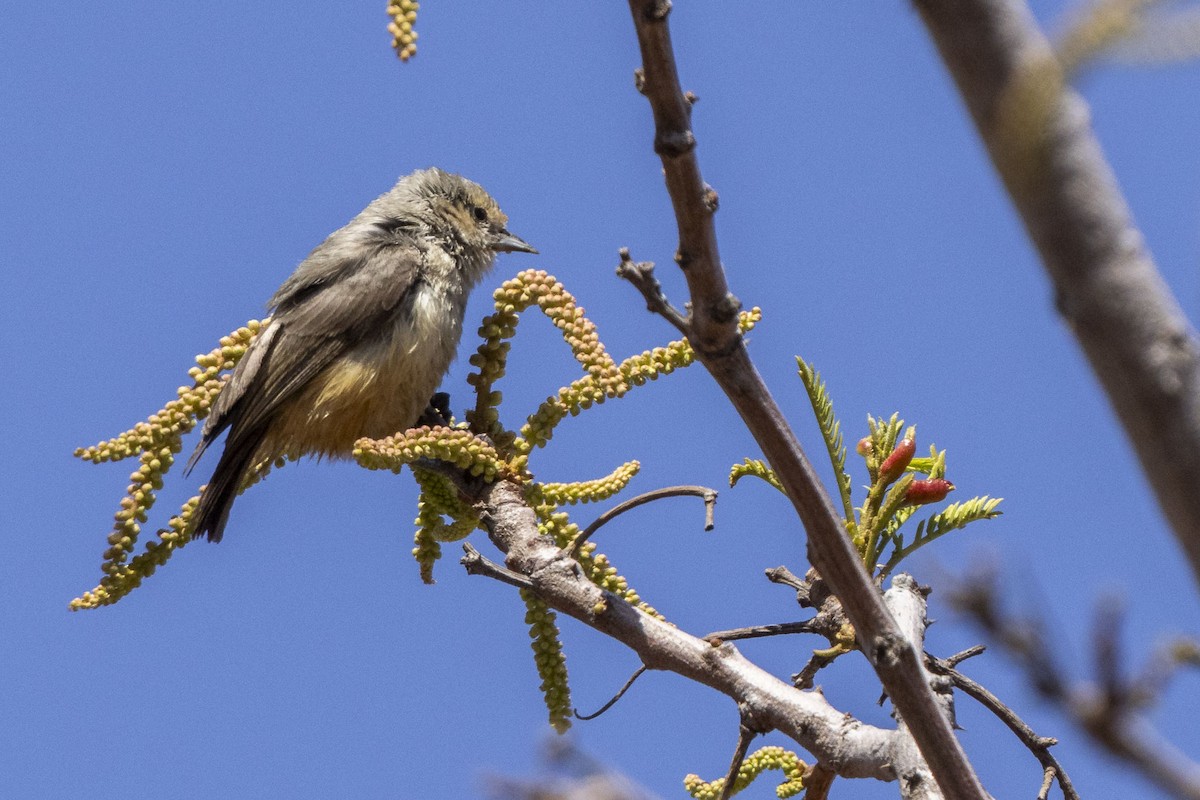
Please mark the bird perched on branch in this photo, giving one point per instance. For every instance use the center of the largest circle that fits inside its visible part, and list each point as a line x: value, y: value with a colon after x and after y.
x: 360, y: 335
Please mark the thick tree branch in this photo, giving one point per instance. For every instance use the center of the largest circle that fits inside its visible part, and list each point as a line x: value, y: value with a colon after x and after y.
x: 1134, y: 333
x: 838, y: 741
x: 712, y: 333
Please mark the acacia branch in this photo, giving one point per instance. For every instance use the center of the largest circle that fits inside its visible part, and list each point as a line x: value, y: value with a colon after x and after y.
x: 711, y: 329
x: 1136, y: 337
x: 840, y: 743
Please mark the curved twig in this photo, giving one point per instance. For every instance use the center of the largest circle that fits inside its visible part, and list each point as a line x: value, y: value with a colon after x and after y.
x: 613, y: 701
x: 709, y: 496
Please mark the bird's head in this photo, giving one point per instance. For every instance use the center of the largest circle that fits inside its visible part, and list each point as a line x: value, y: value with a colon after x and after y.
x: 463, y: 211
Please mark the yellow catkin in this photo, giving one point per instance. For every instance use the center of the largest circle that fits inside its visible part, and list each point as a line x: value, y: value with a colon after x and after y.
x: 758, y: 762
x: 590, y: 491
x: 549, y: 658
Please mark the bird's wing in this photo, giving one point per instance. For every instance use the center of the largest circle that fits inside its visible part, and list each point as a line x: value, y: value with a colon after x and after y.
x: 310, y: 329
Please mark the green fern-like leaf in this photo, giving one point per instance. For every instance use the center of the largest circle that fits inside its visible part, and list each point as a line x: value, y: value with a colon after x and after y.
x: 884, y: 435
x: 953, y: 517
x: 831, y: 431
x: 755, y: 468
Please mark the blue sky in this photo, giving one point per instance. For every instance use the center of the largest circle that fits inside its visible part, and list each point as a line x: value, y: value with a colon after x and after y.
x: 165, y: 169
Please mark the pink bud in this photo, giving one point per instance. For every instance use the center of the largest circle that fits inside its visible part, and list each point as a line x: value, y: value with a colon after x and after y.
x: 893, y: 466
x: 931, y: 491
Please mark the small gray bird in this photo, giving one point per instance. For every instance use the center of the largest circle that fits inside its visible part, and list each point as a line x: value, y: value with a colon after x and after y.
x: 360, y: 335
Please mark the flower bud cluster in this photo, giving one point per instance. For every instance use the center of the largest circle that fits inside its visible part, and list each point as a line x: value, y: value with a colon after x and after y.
x: 458, y: 447
x: 536, y: 286
x: 120, y: 579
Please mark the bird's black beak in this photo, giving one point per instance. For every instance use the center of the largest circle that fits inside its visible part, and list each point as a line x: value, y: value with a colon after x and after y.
x: 505, y: 242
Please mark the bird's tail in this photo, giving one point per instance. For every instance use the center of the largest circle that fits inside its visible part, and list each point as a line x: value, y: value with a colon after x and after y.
x: 217, y: 498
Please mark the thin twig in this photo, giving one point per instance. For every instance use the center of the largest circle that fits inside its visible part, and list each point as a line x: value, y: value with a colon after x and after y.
x: 708, y: 495
x: 613, y: 701
x: 1038, y: 745
x: 641, y: 275
x: 745, y: 736
x: 758, y: 631
x: 806, y: 678
x: 963, y: 655
x: 1048, y: 775
x: 1105, y: 651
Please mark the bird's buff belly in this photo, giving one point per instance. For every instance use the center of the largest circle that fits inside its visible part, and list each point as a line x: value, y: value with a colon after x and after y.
x: 372, y: 391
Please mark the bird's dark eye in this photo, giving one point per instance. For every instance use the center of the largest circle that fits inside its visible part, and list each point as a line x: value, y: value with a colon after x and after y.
x: 480, y: 214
